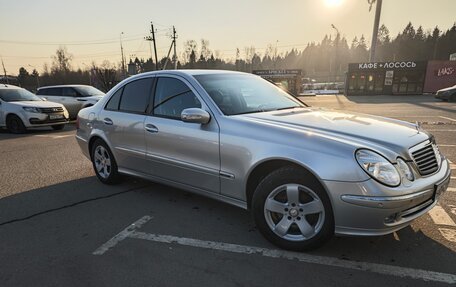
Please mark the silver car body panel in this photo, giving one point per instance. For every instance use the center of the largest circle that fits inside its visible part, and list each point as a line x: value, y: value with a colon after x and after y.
x: 217, y: 159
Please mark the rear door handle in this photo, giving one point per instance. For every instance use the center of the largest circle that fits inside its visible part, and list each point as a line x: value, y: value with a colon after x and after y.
x: 151, y: 128
x: 107, y: 121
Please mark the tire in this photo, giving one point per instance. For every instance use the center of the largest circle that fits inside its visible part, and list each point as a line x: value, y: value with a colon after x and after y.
x: 15, y: 125
x: 58, y: 127
x: 292, y: 210
x: 104, y: 163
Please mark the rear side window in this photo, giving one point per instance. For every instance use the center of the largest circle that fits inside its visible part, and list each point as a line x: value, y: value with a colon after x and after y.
x: 135, y: 96
x: 50, y: 92
x: 172, y: 96
x: 114, y: 101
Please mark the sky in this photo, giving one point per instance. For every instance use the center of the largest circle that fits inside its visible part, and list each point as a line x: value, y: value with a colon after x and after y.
x: 31, y: 31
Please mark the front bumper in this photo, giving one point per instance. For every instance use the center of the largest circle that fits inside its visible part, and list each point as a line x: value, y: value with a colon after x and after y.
x: 370, y: 208
x: 41, y: 119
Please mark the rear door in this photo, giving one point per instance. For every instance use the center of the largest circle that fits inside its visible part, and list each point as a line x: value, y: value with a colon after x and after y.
x: 51, y: 94
x: 122, y: 121
x: 186, y: 153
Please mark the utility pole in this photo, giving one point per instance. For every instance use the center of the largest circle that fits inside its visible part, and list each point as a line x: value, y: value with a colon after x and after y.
x: 4, y: 71
x: 152, y: 32
x: 378, y: 9
x: 175, y: 54
x: 123, y: 58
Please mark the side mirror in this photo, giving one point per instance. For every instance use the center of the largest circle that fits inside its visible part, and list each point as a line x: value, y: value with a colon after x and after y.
x: 195, y: 115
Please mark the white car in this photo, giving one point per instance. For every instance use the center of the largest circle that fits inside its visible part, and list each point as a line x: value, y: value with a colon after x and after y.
x: 73, y: 97
x: 20, y: 110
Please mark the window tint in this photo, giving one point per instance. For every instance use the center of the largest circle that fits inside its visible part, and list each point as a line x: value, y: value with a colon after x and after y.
x: 113, y: 103
x: 135, y: 96
x: 69, y: 92
x: 172, y: 96
x: 50, y: 92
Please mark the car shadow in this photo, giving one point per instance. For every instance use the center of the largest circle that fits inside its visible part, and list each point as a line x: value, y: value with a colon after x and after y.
x: 179, y: 213
x: 5, y: 134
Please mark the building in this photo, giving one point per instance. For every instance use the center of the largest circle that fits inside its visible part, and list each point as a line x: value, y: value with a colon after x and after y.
x: 288, y: 79
x: 399, y: 78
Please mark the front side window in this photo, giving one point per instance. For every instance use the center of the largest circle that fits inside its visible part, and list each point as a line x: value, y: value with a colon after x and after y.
x: 69, y: 92
x: 172, y: 96
x: 135, y: 96
x: 238, y: 94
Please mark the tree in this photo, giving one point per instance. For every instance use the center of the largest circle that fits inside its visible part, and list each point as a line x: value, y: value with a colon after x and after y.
x: 61, y: 60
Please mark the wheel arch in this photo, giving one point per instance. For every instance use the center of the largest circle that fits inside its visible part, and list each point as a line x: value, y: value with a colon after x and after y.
x: 265, y: 167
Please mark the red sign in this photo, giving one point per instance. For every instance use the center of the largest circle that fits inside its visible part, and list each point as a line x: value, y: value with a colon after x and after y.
x: 439, y: 75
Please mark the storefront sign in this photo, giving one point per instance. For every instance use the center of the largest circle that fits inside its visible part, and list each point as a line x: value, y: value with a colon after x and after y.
x: 293, y: 72
x: 387, y: 65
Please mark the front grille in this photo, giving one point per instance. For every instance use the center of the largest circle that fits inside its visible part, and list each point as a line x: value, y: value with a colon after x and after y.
x: 426, y: 160
x: 51, y: 110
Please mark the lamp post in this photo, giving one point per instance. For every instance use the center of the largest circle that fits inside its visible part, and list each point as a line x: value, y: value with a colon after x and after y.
x: 378, y: 10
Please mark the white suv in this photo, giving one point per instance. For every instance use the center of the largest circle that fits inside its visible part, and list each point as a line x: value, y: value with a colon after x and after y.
x: 73, y: 97
x: 20, y: 109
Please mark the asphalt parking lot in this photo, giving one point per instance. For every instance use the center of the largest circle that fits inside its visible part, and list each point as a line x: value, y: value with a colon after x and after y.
x: 60, y: 227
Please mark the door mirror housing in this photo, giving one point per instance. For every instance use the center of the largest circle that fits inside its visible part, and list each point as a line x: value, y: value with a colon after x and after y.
x: 195, y: 115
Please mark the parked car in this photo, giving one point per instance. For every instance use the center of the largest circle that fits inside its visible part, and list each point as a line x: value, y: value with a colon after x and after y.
x: 73, y: 97
x: 447, y: 94
x: 305, y: 173
x: 20, y: 110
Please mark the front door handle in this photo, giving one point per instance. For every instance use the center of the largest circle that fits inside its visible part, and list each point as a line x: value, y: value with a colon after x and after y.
x: 107, y: 121
x: 151, y: 128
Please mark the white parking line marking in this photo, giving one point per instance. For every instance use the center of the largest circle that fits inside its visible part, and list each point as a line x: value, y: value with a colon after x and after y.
x: 440, y: 130
x: 447, y: 118
x: 130, y: 232
x: 447, y: 145
x: 440, y: 217
x: 121, y: 236
x: 452, y: 189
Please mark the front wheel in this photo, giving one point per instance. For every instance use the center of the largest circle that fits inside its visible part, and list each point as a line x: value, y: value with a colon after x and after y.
x: 292, y: 210
x: 104, y: 163
x: 15, y: 125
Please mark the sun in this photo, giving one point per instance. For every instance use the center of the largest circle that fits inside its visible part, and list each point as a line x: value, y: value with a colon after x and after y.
x: 333, y: 3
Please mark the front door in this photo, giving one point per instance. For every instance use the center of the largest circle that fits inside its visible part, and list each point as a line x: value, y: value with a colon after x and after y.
x: 186, y: 153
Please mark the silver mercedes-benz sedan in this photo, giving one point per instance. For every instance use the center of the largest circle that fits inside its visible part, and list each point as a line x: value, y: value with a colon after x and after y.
x: 305, y: 173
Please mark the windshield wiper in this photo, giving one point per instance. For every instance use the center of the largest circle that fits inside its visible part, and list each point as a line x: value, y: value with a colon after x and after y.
x: 287, y: 108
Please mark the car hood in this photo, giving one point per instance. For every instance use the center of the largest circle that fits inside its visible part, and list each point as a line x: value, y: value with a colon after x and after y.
x: 38, y: 104
x: 360, y: 129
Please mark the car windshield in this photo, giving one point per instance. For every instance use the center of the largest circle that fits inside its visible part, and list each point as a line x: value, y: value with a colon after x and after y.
x: 238, y: 94
x: 17, y: 95
x: 89, y: 91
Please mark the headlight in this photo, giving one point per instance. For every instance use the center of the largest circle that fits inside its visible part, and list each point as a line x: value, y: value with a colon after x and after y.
x: 404, y: 168
x: 32, y: 109
x: 378, y: 167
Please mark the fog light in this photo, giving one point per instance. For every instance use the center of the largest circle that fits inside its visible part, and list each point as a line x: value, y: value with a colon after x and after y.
x: 391, y: 218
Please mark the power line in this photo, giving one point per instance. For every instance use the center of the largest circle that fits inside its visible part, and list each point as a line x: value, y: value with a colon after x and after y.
x: 99, y: 42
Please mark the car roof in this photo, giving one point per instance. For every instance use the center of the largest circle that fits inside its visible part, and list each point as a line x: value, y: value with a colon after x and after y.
x: 63, y: 86
x: 189, y: 72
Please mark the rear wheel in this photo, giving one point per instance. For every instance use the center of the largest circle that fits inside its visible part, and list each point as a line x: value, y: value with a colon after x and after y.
x: 292, y: 210
x: 15, y: 125
x: 58, y: 127
x: 103, y: 162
